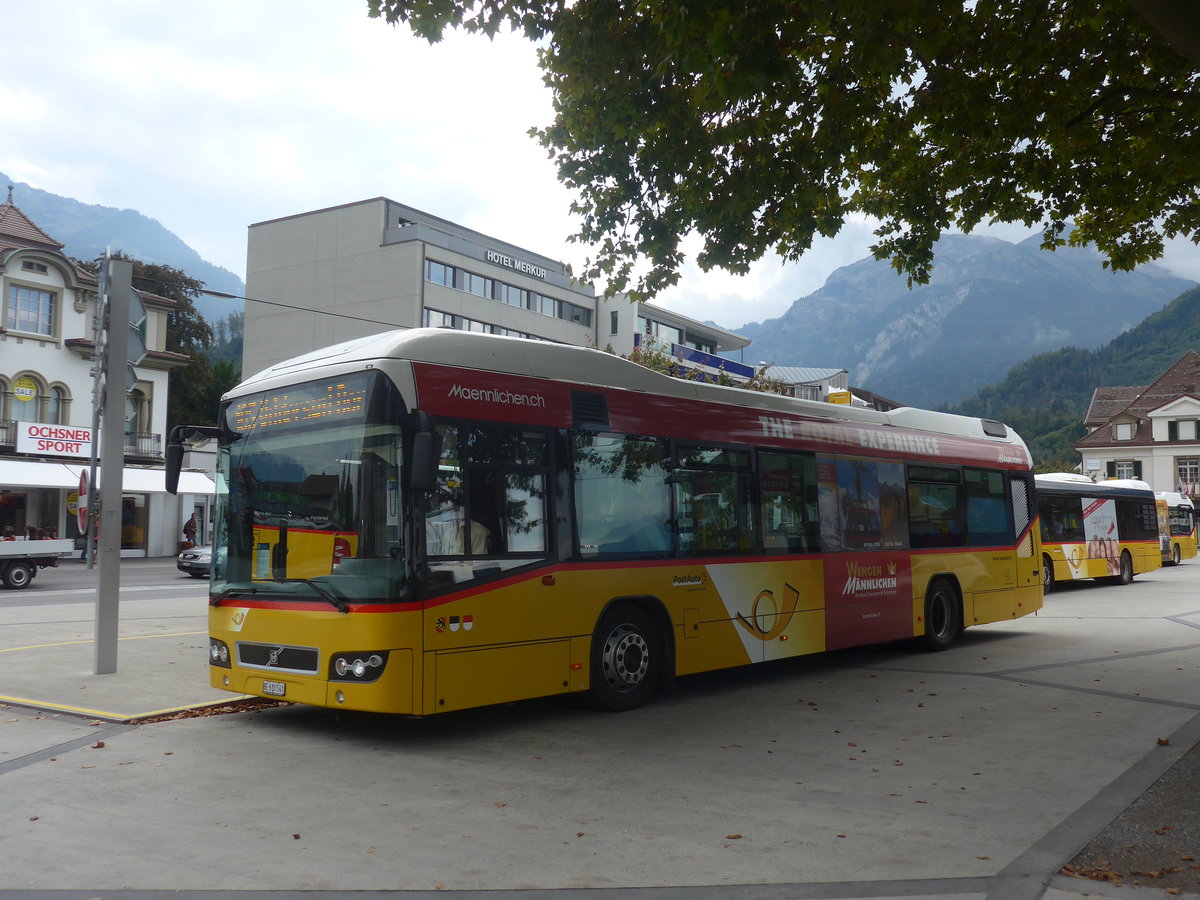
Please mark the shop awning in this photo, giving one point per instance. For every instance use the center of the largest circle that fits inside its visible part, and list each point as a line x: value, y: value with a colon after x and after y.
x: 20, y: 474
x: 23, y: 474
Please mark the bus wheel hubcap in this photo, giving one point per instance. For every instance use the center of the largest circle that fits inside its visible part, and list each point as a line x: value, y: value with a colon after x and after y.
x: 626, y: 658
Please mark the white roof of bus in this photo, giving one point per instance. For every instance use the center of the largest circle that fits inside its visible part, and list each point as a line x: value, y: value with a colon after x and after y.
x: 584, y: 366
x: 1076, y: 478
x: 1063, y: 476
x: 1174, y: 498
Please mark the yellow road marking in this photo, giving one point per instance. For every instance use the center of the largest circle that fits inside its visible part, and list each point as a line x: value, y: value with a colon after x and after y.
x: 88, y: 711
x: 133, y: 637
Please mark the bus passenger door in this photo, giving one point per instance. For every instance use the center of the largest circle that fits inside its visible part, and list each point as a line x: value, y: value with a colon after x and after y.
x: 1028, y: 553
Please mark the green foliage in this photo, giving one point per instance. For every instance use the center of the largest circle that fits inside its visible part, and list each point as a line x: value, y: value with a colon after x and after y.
x: 187, y: 333
x: 762, y: 124
x: 1045, y: 398
x: 225, y: 375
x: 228, y: 338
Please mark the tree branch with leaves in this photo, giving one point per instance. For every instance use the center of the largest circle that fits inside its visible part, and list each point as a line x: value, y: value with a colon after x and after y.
x: 763, y: 124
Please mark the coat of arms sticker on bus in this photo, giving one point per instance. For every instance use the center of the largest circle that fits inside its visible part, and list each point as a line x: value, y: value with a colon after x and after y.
x: 466, y: 623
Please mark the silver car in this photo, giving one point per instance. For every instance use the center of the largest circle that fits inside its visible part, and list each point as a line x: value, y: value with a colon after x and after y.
x: 196, y: 561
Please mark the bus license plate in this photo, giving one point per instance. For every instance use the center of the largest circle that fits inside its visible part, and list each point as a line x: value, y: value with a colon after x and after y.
x: 274, y: 688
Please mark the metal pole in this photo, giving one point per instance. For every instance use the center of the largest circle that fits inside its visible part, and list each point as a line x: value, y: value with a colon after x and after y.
x: 112, y: 463
x: 99, y: 331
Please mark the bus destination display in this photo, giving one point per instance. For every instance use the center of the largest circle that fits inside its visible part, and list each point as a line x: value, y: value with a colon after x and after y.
x: 301, y: 405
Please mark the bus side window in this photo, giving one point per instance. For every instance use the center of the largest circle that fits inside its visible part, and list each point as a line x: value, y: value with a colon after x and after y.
x: 622, y: 499
x: 523, y: 517
x: 987, y: 508
x: 714, y: 502
x: 788, y: 492
x: 445, y: 513
x: 933, y: 515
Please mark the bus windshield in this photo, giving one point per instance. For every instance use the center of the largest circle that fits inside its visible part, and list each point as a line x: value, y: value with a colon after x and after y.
x: 308, y: 494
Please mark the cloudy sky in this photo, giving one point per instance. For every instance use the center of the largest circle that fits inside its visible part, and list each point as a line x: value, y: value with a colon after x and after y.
x: 212, y: 115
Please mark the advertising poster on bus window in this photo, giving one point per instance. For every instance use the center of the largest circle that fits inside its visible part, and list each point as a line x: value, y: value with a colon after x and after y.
x: 1100, y: 532
x: 862, y: 504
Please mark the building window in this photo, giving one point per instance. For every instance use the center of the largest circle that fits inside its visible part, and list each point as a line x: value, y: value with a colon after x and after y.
x: 1123, y: 431
x: 56, y: 403
x: 613, y: 318
x: 25, y: 400
x: 573, y: 313
x: 1181, y: 430
x: 28, y: 266
x: 513, y: 296
x: 1125, y: 468
x: 477, y: 284
x: 30, y: 310
x: 668, y: 334
x: 492, y: 289
x: 439, y: 273
x: 1188, y: 473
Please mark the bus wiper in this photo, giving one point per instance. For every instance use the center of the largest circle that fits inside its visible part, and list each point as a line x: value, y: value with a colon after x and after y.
x: 233, y: 592
x: 337, y: 603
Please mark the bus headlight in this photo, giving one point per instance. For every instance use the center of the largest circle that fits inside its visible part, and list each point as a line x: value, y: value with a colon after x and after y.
x: 362, y: 666
x: 218, y: 653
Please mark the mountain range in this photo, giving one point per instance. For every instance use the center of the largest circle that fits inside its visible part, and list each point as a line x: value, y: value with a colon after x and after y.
x: 989, y: 305
x: 87, y: 229
x: 1046, y: 397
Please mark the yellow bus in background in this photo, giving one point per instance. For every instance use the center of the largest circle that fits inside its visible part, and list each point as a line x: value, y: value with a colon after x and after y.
x: 1105, y: 530
x: 1176, y: 527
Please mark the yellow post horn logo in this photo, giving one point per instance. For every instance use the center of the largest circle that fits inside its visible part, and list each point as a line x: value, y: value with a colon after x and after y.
x: 782, y: 617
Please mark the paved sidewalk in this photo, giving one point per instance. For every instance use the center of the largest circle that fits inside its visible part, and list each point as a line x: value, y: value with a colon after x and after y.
x: 1065, y: 738
x: 47, y: 652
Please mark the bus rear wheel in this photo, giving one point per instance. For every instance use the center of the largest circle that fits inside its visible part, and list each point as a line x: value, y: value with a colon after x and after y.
x: 1126, y: 575
x: 1126, y: 571
x: 943, y: 615
x: 627, y: 659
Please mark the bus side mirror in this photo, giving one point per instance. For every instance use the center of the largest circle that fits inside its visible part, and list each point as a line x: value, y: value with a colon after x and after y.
x: 174, y: 464
x: 427, y: 452
x: 174, y: 453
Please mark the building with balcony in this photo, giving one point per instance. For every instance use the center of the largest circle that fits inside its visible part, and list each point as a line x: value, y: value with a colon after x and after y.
x: 1149, y: 432
x: 349, y: 271
x: 47, y: 348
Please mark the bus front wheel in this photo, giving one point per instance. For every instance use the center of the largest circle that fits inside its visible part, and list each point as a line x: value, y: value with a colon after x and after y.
x: 1175, y: 554
x: 943, y: 615
x: 627, y: 659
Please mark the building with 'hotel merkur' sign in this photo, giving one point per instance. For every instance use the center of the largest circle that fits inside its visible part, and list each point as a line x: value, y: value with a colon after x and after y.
x: 349, y: 271
x: 47, y: 348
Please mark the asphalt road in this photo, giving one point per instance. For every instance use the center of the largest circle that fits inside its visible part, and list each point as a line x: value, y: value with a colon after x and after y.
x: 1062, y: 739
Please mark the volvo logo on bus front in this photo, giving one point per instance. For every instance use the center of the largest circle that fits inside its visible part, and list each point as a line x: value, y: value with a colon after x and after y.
x: 273, y: 658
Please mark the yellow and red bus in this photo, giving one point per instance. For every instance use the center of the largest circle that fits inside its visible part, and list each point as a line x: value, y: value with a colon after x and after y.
x: 1104, y: 530
x: 432, y: 520
x: 1176, y: 526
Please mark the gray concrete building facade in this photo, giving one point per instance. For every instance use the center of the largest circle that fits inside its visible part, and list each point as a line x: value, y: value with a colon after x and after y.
x: 335, y: 274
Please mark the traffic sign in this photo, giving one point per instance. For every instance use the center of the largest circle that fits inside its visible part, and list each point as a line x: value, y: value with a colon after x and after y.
x: 82, y: 503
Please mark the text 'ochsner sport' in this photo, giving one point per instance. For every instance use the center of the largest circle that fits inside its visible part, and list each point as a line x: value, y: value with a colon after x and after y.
x: 53, y: 438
